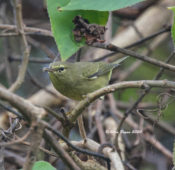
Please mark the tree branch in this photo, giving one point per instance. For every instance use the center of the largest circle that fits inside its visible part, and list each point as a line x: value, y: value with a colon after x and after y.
x: 147, y: 59
x: 60, y: 151
x: 111, y: 88
x: 28, y: 30
x: 37, y: 129
x: 25, y: 107
x: 20, y: 29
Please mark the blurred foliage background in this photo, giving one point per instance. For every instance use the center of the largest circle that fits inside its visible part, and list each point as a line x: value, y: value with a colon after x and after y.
x: 35, y: 15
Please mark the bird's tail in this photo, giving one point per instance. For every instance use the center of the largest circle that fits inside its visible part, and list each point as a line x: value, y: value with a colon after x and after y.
x: 119, y: 61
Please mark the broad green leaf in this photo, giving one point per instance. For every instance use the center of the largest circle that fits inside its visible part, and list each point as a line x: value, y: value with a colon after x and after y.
x: 173, y: 26
x: 42, y: 165
x: 98, y: 5
x: 62, y: 25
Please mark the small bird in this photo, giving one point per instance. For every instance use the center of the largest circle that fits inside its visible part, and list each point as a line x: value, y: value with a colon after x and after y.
x: 76, y: 80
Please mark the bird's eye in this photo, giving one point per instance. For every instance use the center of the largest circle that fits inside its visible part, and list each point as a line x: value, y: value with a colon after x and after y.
x: 61, y: 69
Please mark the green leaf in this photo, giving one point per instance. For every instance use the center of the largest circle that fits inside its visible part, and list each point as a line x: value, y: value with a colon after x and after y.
x: 62, y: 25
x: 98, y: 5
x: 42, y: 165
x: 173, y: 26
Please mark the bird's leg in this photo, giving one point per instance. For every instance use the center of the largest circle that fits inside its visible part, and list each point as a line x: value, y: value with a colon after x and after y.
x: 81, y: 128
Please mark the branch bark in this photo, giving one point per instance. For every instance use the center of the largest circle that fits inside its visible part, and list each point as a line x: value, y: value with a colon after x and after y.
x: 20, y: 30
x: 28, y: 110
x: 111, y: 88
x: 35, y: 139
x: 28, y: 30
x: 153, y: 61
x: 60, y: 151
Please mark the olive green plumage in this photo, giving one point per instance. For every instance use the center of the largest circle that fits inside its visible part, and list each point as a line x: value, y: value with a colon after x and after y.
x: 75, y: 80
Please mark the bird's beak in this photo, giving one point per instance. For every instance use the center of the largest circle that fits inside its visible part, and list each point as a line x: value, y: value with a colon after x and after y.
x: 48, y: 69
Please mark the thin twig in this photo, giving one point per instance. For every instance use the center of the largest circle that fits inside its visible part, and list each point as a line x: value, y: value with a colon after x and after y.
x: 28, y: 30
x: 60, y: 151
x: 139, y: 42
x: 78, y: 55
x: 160, y: 125
x: 42, y: 46
x: 147, y: 137
x: 11, y: 34
x: 2, y: 158
x: 11, y: 110
x: 153, y: 61
x: 53, y: 113
x: 41, y: 148
x: 164, y: 30
x: 38, y: 84
x: 81, y: 127
x: 17, y: 140
x: 143, y: 95
x: 20, y: 29
x: 98, y: 122
x: 151, y: 139
x: 17, y: 158
x: 36, y: 134
x: 31, y: 60
x: 5, y: 45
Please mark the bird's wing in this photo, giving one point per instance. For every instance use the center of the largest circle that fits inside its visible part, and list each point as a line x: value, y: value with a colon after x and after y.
x: 96, y: 69
x: 105, y: 68
x: 89, y: 70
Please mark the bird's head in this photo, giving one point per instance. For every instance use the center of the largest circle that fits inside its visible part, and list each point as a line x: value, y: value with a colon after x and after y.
x: 57, y: 68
